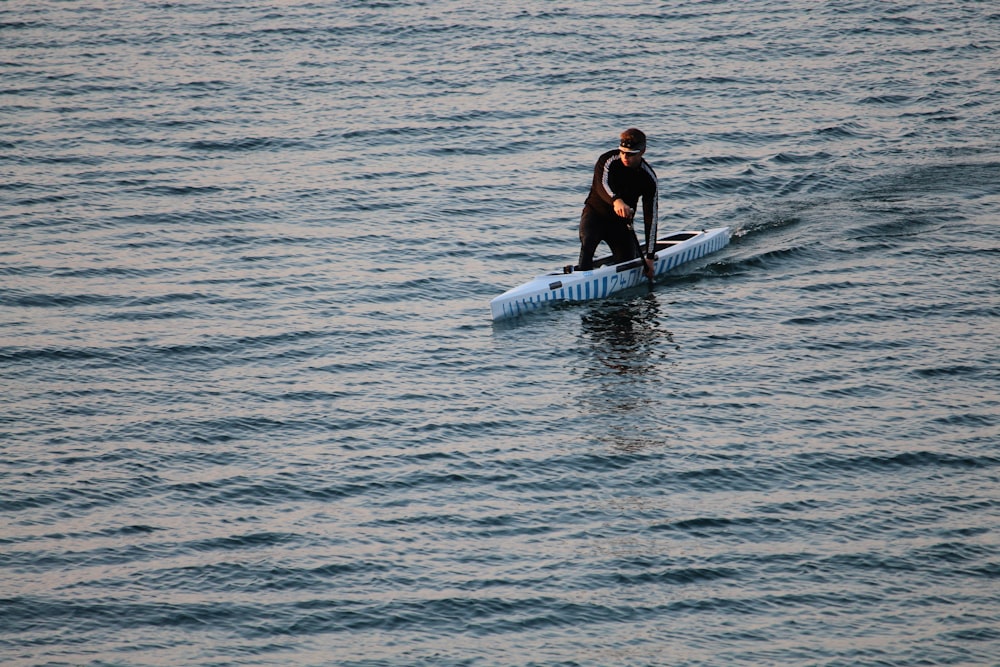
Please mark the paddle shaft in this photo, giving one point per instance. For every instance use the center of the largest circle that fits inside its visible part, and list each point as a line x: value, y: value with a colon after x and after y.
x: 646, y: 269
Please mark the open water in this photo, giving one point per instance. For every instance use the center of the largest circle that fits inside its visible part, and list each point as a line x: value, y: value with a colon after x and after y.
x: 254, y: 410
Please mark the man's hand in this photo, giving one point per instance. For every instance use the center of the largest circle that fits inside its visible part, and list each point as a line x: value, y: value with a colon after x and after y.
x: 623, y: 210
x: 649, y: 271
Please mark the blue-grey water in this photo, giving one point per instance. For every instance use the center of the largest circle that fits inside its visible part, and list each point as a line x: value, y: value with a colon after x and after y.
x: 254, y: 410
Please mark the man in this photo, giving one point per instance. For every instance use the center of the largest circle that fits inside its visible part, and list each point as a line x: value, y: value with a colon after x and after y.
x: 621, y: 177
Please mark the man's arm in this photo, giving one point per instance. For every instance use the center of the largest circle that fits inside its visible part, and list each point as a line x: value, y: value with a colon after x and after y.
x: 650, y: 212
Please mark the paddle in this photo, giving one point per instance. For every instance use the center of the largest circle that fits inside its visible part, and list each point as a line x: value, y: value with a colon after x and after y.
x: 647, y: 270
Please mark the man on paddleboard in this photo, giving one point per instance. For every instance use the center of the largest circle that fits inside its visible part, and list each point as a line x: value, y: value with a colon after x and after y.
x: 621, y: 177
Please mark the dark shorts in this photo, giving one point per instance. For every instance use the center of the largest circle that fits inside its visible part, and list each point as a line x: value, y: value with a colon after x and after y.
x: 595, y: 228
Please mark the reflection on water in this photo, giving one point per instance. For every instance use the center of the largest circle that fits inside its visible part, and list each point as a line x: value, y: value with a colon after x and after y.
x: 626, y: 338
x: 626, y: 351
x: 622, y: 384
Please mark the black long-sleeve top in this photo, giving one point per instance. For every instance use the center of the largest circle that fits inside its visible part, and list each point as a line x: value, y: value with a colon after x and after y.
x: 612, y: 179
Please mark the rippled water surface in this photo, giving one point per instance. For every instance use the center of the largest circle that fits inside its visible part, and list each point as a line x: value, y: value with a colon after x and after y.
x: 255, y: 412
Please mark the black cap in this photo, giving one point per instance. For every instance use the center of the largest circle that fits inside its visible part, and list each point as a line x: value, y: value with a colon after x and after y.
x: 632, y: 141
